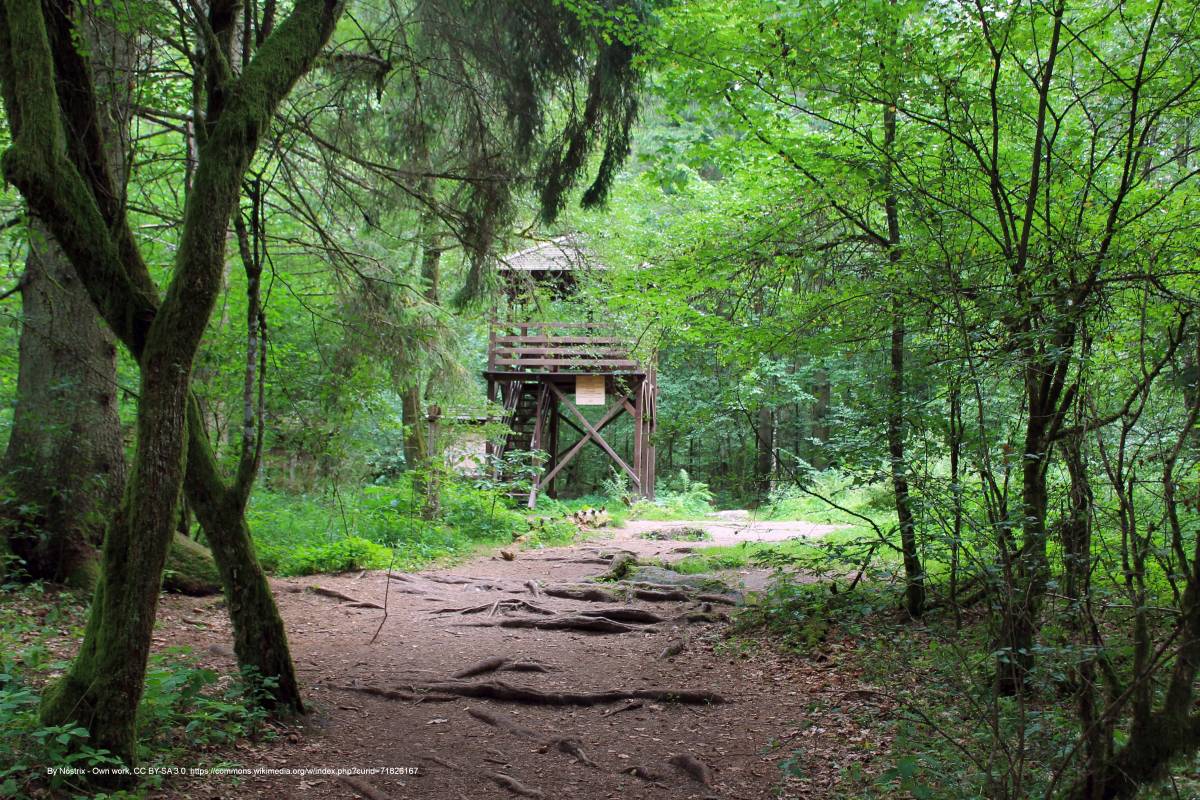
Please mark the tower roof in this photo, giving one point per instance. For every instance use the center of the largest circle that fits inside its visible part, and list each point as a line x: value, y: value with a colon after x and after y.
x: 560, y: 254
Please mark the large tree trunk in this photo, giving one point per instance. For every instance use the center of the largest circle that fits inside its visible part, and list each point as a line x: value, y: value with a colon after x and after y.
x: 104, y: 684
x: 65, y: 463
x: 66, y: 460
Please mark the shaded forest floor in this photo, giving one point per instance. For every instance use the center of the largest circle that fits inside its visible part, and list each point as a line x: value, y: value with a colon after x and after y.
x: 789, y: 726
x: 777, y: 734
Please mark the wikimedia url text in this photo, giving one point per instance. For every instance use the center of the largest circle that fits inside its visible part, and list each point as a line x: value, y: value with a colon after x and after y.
x: 241, y: 771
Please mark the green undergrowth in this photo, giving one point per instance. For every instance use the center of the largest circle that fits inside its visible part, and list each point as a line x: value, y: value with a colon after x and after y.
x: 187, y: 714
x: 374, y: 527
x: 872, y: 500
x: 948, y: 735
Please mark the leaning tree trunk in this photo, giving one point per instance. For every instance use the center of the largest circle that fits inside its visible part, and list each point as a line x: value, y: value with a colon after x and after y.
x: 104, y: 684
x: 259, y: 639
x: 65, y: 463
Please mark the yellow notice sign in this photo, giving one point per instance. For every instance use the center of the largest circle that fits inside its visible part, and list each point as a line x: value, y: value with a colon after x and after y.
x: 589, y: 390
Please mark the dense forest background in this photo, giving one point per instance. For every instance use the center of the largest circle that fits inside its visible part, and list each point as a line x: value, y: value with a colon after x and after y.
x: 926, y: 270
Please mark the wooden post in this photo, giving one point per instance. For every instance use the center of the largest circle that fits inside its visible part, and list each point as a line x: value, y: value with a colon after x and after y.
x: 535, y: 442
x: 639, y: 441
x: 551, y: 489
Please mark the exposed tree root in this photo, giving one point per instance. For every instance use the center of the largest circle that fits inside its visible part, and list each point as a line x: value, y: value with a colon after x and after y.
x: 363, y: 604
x: 509, y: 693
x: 455, y: 580
x: 511, y: 604
x: 501, y: 723
x: 516, y: 787
x: 443, y: 763
x: 573, y: 747
x: 645, y: 773
x: 661, y: 595
x: 336, y: 595
x: 630, y: 706
x: 396, y: 694
x: 585, y: 595
x: 567, y: 622
x: 499, y: 664
x: 622, y: 565
x: 365, y: 789
x: 694, y: 767
x: 693, y: 617
x: 624, y: 614
x: 722, y: 599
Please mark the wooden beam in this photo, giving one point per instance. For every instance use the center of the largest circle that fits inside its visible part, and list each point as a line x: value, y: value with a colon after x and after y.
x: 509, y: 340
x: 568, y: 360
x: 612, y: 413
x: 604, y: 445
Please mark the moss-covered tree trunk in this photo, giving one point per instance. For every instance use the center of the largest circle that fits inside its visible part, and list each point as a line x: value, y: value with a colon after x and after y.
x: 259, y: 639
x: 65, y: 463
x: 55, y: 162
x: 104, y: 684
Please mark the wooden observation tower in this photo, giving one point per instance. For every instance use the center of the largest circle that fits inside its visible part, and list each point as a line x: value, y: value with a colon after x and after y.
x: 543, y: 373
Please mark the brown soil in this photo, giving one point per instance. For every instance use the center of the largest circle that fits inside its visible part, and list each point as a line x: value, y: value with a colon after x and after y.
x: 787, y: 727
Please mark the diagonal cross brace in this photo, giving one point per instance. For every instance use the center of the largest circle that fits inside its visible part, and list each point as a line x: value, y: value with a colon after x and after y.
x: 590, y: 433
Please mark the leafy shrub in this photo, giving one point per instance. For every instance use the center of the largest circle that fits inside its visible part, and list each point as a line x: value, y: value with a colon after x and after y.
x: 683, y: 498
x: 341, y: 555
x: 183, y: 706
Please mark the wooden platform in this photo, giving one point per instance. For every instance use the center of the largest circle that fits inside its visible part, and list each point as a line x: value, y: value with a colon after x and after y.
x: 548, y: 349
x: 532, y: 372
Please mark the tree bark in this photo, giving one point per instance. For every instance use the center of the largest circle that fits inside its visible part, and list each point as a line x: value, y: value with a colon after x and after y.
x: 259, y: 638
x: 65, y: 463
x: 764, y: 456
x: 914, y: 574
x: 51, y: 108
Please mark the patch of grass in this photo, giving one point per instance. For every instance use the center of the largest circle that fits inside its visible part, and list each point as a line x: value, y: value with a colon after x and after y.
x: 790, y: 502
x: 377, y: 526
x: 686, y: 534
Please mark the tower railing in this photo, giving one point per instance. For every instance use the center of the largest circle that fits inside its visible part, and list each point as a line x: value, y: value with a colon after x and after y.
x: 563, y: 348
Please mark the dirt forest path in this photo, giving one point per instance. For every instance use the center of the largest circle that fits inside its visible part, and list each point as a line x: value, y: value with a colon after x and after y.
x: 395, y: 704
